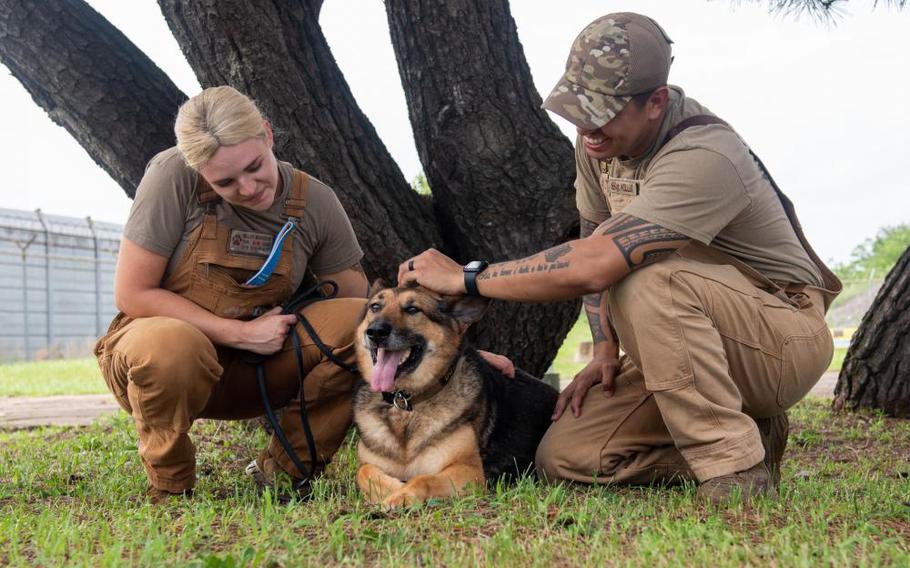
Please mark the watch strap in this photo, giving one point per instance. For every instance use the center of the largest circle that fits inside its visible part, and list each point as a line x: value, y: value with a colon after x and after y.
x: 470, y: 283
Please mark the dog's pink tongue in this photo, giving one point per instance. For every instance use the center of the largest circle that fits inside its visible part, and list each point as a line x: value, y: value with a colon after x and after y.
x: 383, y: 376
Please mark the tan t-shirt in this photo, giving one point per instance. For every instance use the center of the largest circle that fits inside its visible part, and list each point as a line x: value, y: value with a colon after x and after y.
x: 165, y: 212
x: 704, y: 184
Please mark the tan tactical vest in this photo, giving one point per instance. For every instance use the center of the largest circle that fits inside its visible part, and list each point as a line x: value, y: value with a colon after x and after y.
x: 212, y: 270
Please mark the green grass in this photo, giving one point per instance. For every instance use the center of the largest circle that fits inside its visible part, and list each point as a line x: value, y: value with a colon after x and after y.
x: 565, y: 363
x: 81, y: 376
x: 838, y: 360
x: 74, y: 497
x: 46, y: 378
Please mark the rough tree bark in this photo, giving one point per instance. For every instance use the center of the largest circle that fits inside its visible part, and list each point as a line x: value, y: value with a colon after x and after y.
x: 500, y: 171
x: 120, y: 107
x: 876, y: 370
x: 92, y: 81
x: 276, y: 53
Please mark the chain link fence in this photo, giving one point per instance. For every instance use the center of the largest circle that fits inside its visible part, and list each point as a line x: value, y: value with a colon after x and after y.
x: 56, y: 284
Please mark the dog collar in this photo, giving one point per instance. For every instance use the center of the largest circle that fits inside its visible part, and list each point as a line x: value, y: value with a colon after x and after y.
x: 403, y: 400
x: 399, y: 399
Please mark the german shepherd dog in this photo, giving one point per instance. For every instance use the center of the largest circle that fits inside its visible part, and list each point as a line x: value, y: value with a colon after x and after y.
x: 433, y: 416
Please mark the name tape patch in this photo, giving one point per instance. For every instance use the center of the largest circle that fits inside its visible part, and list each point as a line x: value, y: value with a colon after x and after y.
x: 625, y: 187
x: 250, y: 243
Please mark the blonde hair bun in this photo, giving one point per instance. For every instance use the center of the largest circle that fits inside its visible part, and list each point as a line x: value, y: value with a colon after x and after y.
x: 218, y: 116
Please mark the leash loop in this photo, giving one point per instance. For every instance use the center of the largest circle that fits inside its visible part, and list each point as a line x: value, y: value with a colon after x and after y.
x: 293, y: 306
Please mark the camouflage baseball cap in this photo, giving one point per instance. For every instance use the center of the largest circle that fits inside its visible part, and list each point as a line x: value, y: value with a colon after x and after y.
x: 614, y: 57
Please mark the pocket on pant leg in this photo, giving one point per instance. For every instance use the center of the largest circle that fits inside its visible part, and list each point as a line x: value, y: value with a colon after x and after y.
x: 744, y: 313
x: 114, y: 371
x: 804, y: 358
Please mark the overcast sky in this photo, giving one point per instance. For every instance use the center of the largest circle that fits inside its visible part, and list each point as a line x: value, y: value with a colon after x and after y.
x: 822, y: 105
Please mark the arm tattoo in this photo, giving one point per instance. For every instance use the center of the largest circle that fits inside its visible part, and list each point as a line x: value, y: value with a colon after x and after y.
x: 553, y: 254
x: 547, y: 261
x: 587, y: 227
x: 597, y: 330
x: 595, y: 307
x: 592, y: 302
x: 639, y: 241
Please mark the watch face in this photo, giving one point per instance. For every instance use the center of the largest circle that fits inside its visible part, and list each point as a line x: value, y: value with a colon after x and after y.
x: 475, y: 266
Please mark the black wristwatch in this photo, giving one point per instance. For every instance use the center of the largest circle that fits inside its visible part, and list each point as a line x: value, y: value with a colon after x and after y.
x: 471, y: 270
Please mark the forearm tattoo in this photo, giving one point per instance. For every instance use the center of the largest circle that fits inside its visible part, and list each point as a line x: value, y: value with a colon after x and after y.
x: 547, y: 261
x: 597, y: 330
x: 593, y: 302
x: 586, y: 228
x: 639, y: 241
x: 595, y: 307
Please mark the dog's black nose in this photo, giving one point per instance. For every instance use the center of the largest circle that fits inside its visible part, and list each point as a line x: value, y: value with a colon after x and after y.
x: 379, y: 331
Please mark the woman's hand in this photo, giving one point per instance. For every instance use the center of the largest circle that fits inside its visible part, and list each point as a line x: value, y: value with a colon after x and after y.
x: 433, y: 270
x: 266, y: 334
x: 499, y: 362
x: 601, y: 369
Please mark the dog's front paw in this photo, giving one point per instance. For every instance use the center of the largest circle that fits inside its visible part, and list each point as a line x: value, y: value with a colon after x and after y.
x: 376, y: 485
x: 402, y: 498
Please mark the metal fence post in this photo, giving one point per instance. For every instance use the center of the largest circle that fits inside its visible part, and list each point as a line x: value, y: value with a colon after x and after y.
x: 28, y: 347
x: 91, y: 227
x: 47, y: 281
x: 23, y: 250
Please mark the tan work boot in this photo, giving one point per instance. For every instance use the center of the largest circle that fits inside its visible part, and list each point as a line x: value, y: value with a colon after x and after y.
x: 161, y: 497
x: 774, y: 431
x: 747, y: 484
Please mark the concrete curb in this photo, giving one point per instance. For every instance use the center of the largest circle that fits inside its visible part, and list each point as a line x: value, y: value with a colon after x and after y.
x: 80, y: 410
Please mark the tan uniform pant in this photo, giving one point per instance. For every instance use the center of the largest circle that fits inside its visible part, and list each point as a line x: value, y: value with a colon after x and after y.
x: 166, y: 374
x: 706, y: 352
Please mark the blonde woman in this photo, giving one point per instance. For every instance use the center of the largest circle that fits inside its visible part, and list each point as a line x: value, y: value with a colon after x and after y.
x: 220, y: 234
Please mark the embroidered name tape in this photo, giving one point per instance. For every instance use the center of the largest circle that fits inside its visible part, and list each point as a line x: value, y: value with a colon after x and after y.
x: 626, y: 187
x: 250, y: 243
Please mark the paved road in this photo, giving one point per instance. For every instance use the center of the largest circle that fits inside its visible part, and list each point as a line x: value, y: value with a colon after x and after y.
x: 74, y: 410
x: 825, y: 386
x: 79, y: 410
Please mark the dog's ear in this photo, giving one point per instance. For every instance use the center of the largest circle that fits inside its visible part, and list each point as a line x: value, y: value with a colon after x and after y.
x: 376, y: 286
x: 466, y: 309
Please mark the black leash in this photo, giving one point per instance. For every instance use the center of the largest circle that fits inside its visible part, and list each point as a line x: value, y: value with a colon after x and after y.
x: 293, y: 306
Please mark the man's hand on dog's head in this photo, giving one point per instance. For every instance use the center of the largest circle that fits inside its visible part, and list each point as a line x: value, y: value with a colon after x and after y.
x: 434, y: 271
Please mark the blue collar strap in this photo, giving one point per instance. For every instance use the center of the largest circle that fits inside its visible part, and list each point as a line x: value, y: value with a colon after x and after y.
x: 271, y: 262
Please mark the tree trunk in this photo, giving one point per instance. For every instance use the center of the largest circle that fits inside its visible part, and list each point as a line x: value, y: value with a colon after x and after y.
x: 502, y: 185
x: 500, y: 171
x: 275, y: 52
x: 92, y: 81
x: 876, y: 371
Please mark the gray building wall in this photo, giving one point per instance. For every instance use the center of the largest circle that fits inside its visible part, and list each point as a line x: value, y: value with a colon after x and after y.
x: 56, y: 284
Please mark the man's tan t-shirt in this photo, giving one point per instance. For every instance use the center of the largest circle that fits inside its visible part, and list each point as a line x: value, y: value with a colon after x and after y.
x: 703, y: 184
x: 165, y: 212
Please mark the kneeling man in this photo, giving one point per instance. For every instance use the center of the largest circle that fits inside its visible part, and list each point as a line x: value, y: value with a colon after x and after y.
x: 691, y: 258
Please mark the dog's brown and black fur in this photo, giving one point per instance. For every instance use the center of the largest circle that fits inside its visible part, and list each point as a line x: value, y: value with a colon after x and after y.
x: 449, y: 419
